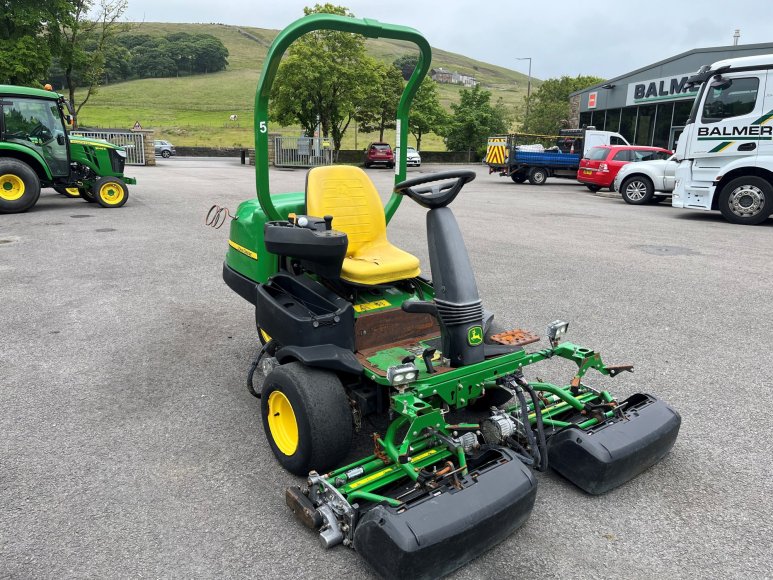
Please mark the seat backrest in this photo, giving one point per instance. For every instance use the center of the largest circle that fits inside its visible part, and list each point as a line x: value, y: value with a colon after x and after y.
x: 348, y: 194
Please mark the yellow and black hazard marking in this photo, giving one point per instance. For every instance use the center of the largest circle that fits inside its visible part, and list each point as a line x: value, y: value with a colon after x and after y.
x: 243, y: 250
x: 496, y: 151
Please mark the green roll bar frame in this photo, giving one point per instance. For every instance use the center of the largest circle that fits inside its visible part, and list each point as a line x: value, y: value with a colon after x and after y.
x: 365, y: 27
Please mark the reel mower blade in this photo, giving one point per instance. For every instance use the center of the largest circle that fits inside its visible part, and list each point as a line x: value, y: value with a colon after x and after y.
x: 443, y: 531
x: 603, y: 457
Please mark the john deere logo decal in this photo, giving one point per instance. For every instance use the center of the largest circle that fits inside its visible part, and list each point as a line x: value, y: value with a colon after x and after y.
x: 475, y: 335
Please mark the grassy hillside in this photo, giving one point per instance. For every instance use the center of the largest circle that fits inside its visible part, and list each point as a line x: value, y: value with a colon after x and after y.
x: 194, y: 110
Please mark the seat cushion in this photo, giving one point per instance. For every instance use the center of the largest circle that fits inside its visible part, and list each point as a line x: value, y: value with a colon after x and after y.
x: 348, y: 194
x: 379, y: 263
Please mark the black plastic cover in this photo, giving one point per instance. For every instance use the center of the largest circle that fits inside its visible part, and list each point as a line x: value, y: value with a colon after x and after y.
x: 320, y: 250
x: 435, y: 537
x: 602, y: 458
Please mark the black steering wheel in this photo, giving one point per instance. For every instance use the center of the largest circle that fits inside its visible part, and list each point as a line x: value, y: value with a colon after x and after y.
x: 439, y: 194
x: 41, y: 132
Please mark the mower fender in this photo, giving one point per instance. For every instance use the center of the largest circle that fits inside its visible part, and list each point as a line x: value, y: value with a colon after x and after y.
x: 604, y: 457
x: 442, y: 533
x: 322, y: 356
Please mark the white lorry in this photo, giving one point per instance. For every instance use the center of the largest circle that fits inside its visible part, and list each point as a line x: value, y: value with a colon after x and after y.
x: 725, y: 153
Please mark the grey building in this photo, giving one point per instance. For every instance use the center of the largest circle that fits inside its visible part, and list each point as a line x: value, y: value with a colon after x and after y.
x: 650, y: 106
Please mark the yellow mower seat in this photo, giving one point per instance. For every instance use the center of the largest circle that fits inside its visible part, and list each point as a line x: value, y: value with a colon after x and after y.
x: 348, y: 194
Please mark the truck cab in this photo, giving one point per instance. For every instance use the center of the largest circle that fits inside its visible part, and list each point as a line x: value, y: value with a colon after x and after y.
x: 725, y: 153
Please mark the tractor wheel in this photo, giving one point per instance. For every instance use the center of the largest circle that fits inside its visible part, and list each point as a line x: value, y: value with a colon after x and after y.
x: 744, y: 200
x: 306, y: 417
x: 518, y: 177
x: 538, y: 176
x: 87, y: 195
x: 110, y: 192
x: 166, y: 154
x: 637, y: 190
x: 19, y: 186
x: 593, y: 188
x: 68, y: 191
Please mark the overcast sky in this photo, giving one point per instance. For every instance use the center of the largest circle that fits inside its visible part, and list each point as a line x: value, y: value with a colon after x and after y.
x: 562, y: 37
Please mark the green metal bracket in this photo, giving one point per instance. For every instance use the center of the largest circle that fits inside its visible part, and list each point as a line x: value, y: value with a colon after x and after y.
x: 366, y: 27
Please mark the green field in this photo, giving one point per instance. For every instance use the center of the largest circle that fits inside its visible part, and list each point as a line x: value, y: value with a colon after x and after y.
x: 195, y: 110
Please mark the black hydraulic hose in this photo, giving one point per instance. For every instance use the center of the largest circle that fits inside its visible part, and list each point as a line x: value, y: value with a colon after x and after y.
x: 520, y: 452
x: 535, y: 452
x: 254, y: 366
x: 540, y: 427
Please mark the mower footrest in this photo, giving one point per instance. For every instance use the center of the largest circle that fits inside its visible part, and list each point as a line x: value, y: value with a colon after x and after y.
x: 443, y: 532
x: 603, y: 457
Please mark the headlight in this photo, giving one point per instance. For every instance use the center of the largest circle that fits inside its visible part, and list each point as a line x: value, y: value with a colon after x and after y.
x: 556, y: 330
x: 402, y: 374
x: 121, y: 153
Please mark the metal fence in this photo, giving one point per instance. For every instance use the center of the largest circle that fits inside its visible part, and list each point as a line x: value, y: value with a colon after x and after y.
x: 133, y: 143
x: 302, y: 151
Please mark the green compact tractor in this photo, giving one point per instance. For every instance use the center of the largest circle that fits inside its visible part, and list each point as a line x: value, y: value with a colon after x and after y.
x: 36, y: 151
x: 350, y: 328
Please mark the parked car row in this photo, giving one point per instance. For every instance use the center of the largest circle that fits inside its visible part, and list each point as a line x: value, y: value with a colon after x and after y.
x: 382, y: 154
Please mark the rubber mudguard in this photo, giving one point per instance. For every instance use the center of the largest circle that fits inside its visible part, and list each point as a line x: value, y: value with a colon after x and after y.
x: 602, y: 458
x: 443, y: 532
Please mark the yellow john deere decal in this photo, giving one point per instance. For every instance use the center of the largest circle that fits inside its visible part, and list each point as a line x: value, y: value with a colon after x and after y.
x: 243, y: 250
x: 365, y: 306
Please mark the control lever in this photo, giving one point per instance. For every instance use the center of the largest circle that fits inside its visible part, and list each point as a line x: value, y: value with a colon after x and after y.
x: 427, y: 356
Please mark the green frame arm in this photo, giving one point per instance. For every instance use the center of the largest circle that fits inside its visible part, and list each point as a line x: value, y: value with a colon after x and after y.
x: 366, y: 27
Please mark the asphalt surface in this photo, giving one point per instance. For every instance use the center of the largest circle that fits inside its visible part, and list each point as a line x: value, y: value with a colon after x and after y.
x: 130, y: 447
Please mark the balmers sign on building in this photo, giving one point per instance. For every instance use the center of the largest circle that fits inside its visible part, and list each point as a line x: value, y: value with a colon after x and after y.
x: 657, y: 90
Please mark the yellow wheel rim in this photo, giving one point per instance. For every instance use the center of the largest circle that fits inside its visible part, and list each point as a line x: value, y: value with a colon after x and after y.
x: 11, y: 187
x: 111, y: 193
x: 282, y: 423
x: 73, y: 191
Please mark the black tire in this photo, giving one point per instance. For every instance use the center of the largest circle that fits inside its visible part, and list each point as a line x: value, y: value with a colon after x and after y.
x: 593, y: 188
x: 19, y: 186
x: 538, y: 176
x: 87, y: 195
x: 321, y: 413
x: 110, y: 192
x: 746, y: 200
x: 166, y: 154
x: 637, y: 190
x: 367, y: 165
x: 68, y: 191
x: 518, y: 177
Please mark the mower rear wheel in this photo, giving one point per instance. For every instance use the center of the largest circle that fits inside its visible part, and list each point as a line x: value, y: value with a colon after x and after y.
x: 306, y: 417
x: 111, y: 192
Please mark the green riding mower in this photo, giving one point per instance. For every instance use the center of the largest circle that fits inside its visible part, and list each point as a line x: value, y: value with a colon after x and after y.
x: 350, y: 328
x: 37, y: 152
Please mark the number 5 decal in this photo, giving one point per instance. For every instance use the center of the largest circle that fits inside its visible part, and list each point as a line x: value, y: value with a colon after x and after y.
x: 263, y: 127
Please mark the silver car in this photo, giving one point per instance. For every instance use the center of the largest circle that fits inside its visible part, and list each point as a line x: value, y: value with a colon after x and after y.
x: 646, y: 181
x: 164, y: 148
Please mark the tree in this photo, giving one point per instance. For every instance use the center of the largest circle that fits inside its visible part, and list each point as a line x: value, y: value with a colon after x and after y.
x: 474, y: 119
x: 322, y: 80
x: 549, y: 105
x: 427, y: 114
x: 379, y: 107
x: 407, y: 63
x: 84, y: 42
x: 28, y: 39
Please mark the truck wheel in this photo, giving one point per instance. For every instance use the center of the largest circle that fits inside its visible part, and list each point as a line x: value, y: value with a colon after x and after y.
x: 538, y: 176
x: 637, y: 190
x: 593, y: 188
x: 68, y: 191
x: 306, y: 417
x: 518, y: 177
x: 110, y: 192
x: 746, y: 200
x: 19, y: 186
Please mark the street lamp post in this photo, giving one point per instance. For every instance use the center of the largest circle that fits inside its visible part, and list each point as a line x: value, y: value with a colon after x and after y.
x: 528, y: 90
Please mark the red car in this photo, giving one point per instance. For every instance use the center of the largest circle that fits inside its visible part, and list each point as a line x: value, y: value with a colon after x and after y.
x: 600, y: 167
x: 379, y: 153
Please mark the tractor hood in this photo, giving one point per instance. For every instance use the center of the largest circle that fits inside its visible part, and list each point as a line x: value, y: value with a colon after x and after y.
x: 81, y: 140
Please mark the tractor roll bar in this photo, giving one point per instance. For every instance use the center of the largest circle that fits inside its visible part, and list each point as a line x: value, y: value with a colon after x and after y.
x: 366, y: 27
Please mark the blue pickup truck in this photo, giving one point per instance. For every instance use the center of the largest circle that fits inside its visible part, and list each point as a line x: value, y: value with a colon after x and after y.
x: 523, y: 156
